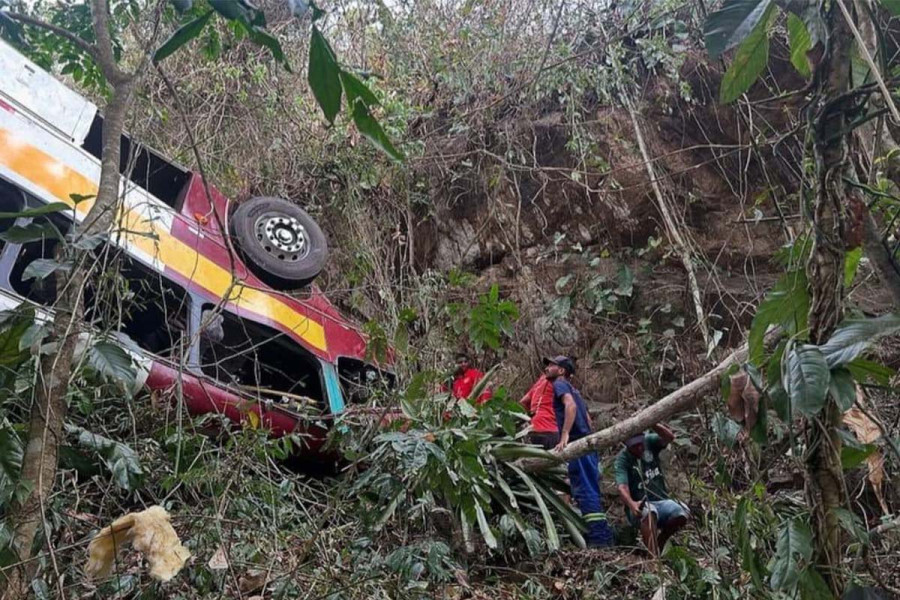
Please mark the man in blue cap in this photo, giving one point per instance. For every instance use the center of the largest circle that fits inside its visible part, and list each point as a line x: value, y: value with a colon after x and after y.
x: 574, y: 423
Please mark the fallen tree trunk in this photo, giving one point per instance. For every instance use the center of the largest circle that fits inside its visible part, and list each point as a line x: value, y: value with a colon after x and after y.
x: 679, y: 401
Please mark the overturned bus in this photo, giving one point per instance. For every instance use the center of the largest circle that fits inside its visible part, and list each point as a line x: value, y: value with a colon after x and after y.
x: 193, y: 262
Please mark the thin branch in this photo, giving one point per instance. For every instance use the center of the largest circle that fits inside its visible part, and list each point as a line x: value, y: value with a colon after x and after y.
x: 105, y: 57
x: 81, y: 43
x: 871, y: 63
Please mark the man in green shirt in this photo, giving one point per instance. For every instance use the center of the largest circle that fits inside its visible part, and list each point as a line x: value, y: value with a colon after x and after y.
x: 642, y: 486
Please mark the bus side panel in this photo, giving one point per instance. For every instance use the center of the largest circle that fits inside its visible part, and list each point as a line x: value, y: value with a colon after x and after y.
x: 201, y: 397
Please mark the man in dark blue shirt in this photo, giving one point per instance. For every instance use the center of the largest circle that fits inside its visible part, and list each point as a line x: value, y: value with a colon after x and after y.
x: 574, y: 423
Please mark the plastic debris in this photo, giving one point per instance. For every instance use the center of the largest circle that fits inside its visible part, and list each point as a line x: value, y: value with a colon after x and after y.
x: 150, y: 533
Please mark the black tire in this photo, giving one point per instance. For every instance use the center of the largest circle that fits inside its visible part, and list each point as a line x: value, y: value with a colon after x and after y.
x: 280, y: 242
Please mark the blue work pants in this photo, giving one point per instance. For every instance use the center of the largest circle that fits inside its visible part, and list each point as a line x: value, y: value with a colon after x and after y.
x: 584, y: 477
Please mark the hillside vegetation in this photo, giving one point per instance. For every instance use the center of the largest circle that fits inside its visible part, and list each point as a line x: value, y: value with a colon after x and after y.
x: 648, y: 186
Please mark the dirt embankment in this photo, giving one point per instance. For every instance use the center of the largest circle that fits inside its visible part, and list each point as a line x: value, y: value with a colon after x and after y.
x: 554, y: 208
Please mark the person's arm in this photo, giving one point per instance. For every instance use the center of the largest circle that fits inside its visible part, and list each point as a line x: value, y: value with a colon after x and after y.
x: 526, y: 400
x: 569, y: 420
x: 635, y: 507
x: 621, y: 474
x: 666, y: 436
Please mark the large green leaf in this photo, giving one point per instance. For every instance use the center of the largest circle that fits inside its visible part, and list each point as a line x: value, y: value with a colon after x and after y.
x: 800, y: 44
x: 372, y: 131
x: 805, y: 376
x: 732, y: 24
x: 122, y: 462
x: 324, y: 75
x: 749, y: 61
x: 855, y: 336
x: 786, y: 305
x: 794, y: 547
x: 111, y: 361
x: 182, y: 36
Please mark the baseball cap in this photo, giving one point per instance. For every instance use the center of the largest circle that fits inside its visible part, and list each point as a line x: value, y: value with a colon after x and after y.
x: 634, y: 440
x: 561, y: 361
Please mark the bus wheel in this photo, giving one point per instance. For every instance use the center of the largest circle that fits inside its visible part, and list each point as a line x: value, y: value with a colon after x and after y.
x: 282, y: 244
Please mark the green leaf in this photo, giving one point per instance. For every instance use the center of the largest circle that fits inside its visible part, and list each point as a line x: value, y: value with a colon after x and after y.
x: 182, y: 6
x: 231, y: 9
x: 11, y: 353
x: 11, y: 451
x: 786, y: 305
x: 486, y: 532
x: 725, y: 429
x: 805, y: 375
x: 800, y: 44
x: 851, y: 264
x: 354, y: 88
x: 853, y: 456
x: 855, y: 336
x: 182, y: 36
x: 41, y: 268
x: 122, y: 462
x: 112, y: 362
x: 390, y: 509
x: 842, y: 388
x: 749, y: 556
x: 794, y: 546
x: 813, y: 587
x: 34, y: 335
x: 46, y: 209
x: 852, y: 524
x: 31, y: 232
x: 893, y: 6
x: 865, y: 370
x: 373, y: 132
x: 324, y: 75
x: 263, y: 38
x: 760, y: 431
x: 749, y: 61
x: 552, y: 535
x: 732, y: 24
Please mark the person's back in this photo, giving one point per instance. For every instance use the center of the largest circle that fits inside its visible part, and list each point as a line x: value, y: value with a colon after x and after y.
x: 538, y: 401
x: 582, y: 423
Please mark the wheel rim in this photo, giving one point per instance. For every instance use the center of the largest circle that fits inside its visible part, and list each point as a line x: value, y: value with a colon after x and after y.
x: 282, y: 236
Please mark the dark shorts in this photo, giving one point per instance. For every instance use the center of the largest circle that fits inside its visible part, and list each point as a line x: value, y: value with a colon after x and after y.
x: 545, y: 439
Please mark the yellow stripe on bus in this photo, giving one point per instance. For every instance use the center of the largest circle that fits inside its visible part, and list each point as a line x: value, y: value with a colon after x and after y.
x: 61, y: 182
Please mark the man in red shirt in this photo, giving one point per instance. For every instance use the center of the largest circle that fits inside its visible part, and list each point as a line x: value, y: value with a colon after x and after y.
x: 539, y: 402
x: 465, y: 379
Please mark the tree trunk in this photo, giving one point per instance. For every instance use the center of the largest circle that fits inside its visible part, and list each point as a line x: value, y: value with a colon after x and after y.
x: 838, y: 223
x: 48, y: 412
